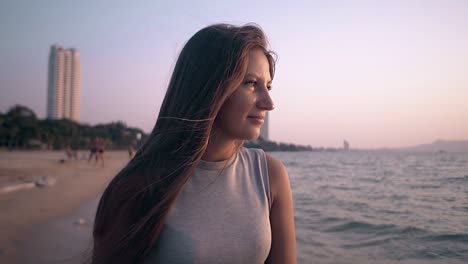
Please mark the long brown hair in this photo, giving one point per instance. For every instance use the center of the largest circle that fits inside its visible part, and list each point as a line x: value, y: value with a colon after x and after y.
x: 133, y: 209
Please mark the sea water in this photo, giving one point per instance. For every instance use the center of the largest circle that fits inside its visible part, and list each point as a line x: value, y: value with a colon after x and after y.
x: 379, y: 206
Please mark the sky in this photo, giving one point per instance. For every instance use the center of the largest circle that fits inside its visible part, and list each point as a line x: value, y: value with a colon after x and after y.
x: 374, y: 73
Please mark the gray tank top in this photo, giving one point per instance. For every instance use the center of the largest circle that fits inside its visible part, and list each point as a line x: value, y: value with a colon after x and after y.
x: 222, y: 214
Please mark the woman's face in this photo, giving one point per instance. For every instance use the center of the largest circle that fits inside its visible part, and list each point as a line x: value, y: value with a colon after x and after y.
x: 243, y: 113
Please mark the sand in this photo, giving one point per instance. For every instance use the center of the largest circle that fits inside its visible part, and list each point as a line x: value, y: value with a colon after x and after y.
x: 38, y: 225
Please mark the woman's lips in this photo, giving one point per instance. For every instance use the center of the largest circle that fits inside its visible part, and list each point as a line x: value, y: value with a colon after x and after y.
x: 258, y: 120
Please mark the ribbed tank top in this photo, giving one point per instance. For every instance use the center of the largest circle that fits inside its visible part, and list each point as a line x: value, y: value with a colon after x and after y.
x: 222, y: 214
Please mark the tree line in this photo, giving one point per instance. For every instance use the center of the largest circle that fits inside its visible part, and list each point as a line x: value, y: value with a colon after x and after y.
x: 21, y: 129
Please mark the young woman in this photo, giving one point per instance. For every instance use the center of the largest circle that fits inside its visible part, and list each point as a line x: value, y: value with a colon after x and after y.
x: 192, y: 193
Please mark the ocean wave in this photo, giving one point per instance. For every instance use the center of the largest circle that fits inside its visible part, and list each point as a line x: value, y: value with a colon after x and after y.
x: 368, y: 243
x: 424, y: 186
x: 371, y: 180
x: 345, y: 188
x: 291, y: 164
x: 456, y: 179
x: 399, y: 242
x: 321, y: 166
x: 398, y: 197
x: 368, y: 228
x: 461, y: 208
x: 392, y: 212
x: 461, y: 238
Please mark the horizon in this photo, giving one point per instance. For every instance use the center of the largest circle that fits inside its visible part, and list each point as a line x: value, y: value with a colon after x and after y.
x: 315, y: 147
x: 379, y: 75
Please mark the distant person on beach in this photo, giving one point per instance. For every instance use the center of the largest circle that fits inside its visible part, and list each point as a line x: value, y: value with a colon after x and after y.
x: 93, y: 149
x: 193, y: 193
x: 96, y: 150
x: 71, y: 153
x: 100, y: 146
x: 131, y: 151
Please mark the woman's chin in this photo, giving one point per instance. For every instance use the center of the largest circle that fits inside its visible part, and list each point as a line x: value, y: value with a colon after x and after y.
x: 254, y: 135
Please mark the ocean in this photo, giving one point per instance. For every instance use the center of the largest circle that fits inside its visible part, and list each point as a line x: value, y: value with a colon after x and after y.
x: 379, y: 206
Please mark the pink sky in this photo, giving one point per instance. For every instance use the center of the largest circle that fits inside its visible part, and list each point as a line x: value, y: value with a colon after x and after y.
x: 376, y: 73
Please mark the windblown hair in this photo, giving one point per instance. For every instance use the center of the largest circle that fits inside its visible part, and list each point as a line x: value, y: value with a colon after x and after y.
x: 133, y: 209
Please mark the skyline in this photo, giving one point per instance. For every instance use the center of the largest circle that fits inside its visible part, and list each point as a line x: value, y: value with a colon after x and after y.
x: 387, y: 74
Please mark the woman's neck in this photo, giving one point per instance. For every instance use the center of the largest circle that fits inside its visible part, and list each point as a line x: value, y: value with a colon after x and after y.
x: 219, y: 149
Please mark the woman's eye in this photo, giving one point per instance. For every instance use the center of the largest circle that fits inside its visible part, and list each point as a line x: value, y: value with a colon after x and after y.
x: 250, y: 82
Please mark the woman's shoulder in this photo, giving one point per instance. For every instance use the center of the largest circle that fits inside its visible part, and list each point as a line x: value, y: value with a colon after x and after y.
x: 275, y: 166
x: 253, y: 154
x: 278, y: 176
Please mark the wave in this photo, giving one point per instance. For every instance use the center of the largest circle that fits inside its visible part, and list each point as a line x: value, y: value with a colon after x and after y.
x: 424, y: 186
x: 456, y: 179
x: 370, y: 180
x: 291, y: 164
x: 460, y: 238
x: 460, y: 208
x: 398, y: 242
x: 321, y: 166
x: 343, y: 188
x: 368, y: 228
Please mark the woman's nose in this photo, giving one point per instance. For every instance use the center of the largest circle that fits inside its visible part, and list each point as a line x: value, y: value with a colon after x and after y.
x: 265, y: 102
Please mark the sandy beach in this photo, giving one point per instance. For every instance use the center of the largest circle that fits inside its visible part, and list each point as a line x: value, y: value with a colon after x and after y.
x: 50, y: 224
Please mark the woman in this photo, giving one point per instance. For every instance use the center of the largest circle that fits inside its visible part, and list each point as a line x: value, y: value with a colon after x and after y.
x: 192, y: 193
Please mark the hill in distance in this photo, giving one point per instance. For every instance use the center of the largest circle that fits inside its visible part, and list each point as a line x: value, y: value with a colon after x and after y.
x: 441, y: 145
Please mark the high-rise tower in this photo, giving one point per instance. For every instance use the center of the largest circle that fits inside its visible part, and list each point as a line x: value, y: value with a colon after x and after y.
x: 64, y: 81
x: 264, y: 129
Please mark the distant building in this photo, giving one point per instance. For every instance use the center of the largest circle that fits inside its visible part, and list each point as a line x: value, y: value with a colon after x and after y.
x: 264, y: 129
x: 64, y: 81
x: 345, y: 145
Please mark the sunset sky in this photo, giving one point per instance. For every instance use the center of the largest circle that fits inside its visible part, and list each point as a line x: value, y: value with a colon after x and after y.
x: 376, y: 73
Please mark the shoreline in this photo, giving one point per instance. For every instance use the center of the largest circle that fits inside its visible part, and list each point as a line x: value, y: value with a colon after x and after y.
x: 25, y: 212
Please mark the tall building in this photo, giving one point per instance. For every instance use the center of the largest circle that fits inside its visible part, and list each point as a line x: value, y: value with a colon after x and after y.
x: 345, y: 145
x: 64, y: 81
x: 264, y: 128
